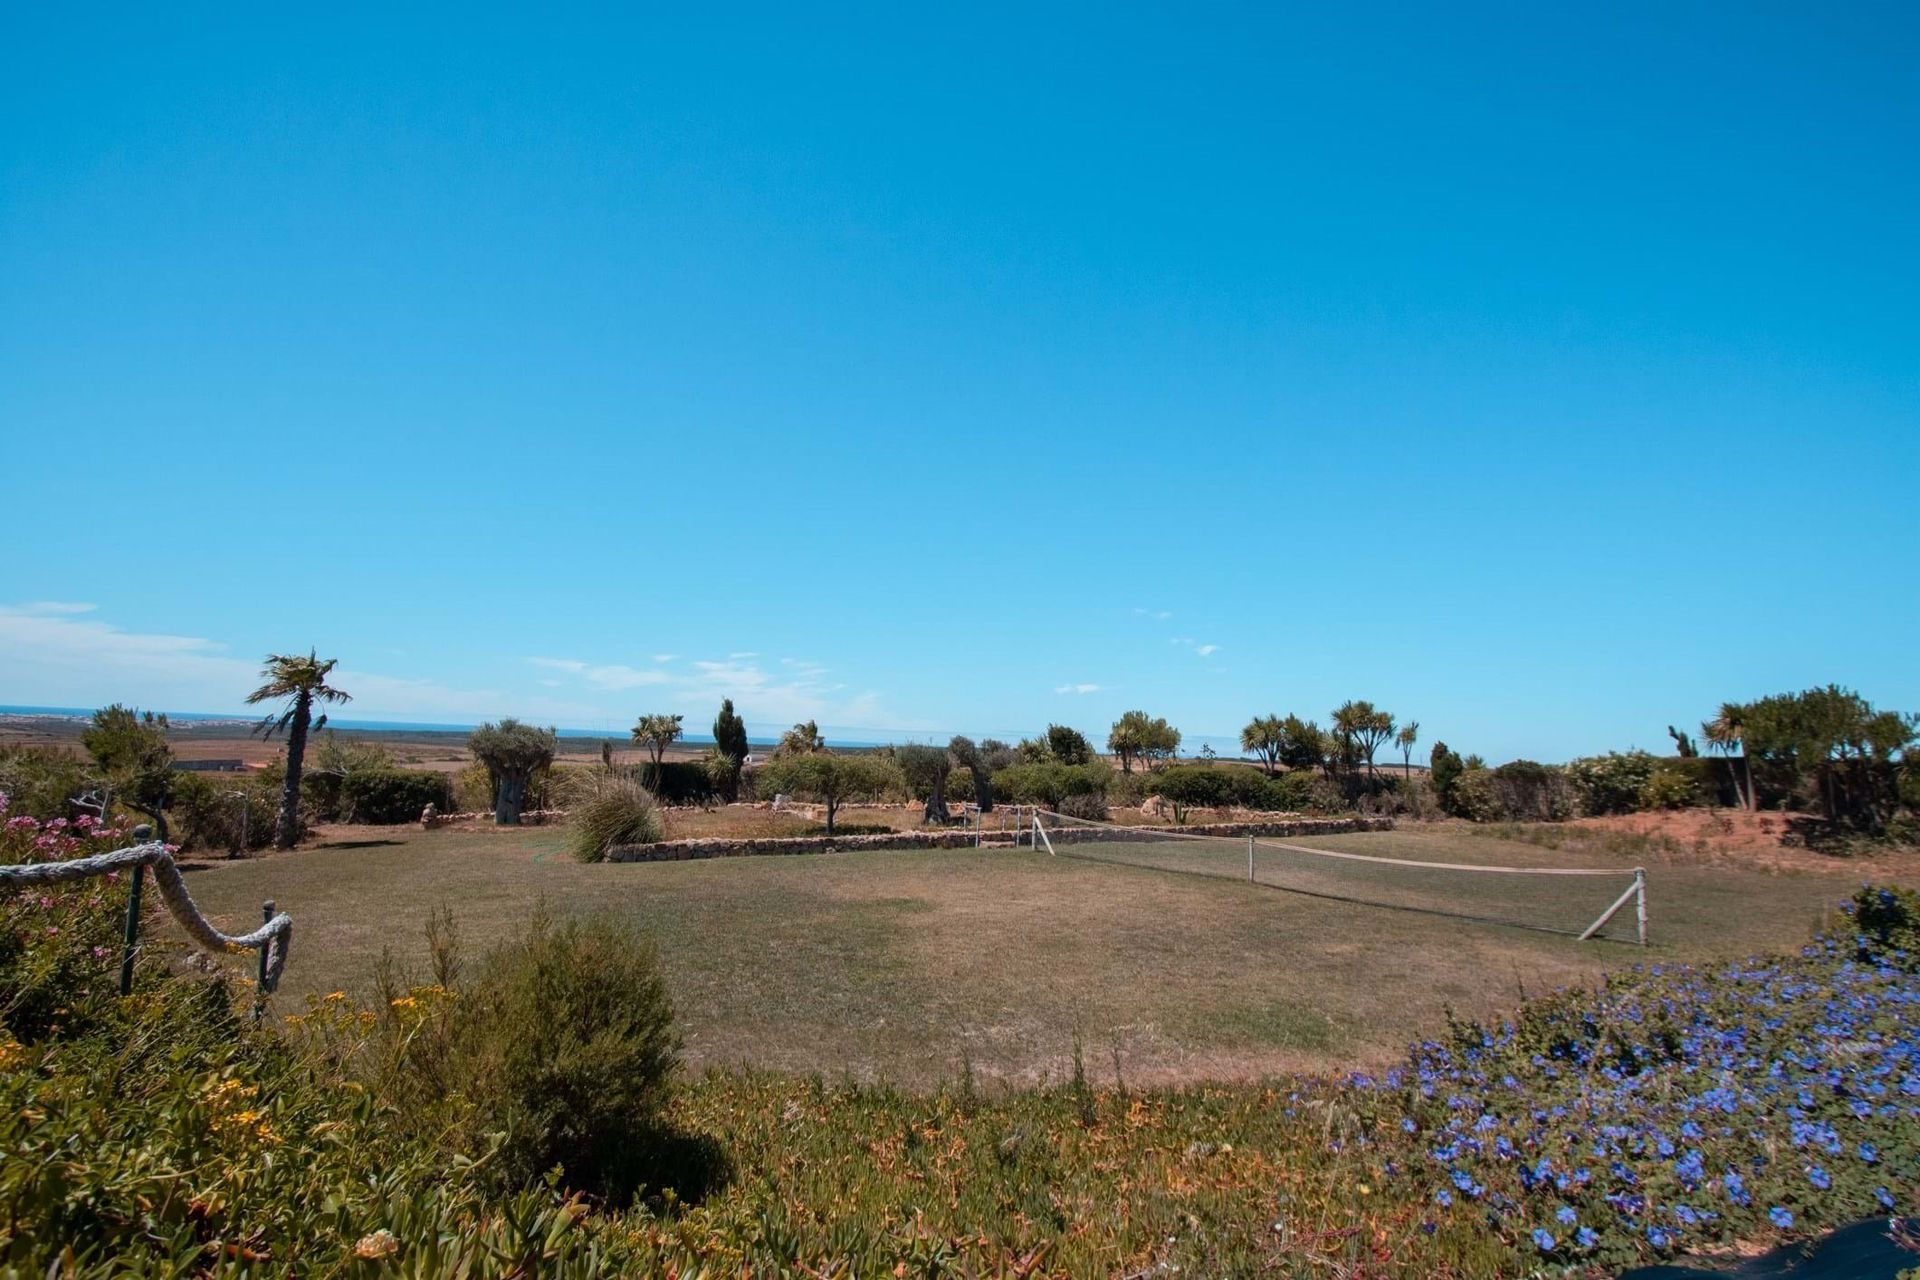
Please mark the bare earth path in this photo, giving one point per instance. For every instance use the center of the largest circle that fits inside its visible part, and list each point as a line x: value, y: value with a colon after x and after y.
x: 905, y: 965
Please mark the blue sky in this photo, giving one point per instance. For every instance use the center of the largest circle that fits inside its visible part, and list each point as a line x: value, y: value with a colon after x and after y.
x: 1545, y: 374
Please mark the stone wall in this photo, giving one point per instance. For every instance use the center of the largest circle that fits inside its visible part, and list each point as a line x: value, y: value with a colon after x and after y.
x: 960, y: 838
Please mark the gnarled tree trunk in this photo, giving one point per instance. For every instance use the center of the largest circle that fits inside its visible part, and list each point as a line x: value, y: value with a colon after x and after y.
x: 286, y: 829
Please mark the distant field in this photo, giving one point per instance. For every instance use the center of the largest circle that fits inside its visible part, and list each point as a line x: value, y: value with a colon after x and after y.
x: 905, y: 965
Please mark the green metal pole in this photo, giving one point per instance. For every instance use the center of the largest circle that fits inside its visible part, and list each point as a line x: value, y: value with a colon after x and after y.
x: 260, y: 984
x: 133, y: 917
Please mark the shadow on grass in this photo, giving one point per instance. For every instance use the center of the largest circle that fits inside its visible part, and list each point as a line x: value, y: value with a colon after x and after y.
x: 359, y: 844
x: 668, y: 1169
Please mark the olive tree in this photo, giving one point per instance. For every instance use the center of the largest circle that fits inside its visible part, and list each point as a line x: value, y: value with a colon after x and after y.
x: 829, y: 780
x: 982, y: 761
x: 925, y: 770
x: 512, y: 752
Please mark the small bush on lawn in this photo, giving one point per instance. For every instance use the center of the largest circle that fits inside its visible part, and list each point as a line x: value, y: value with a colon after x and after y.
x: 42, y: 783
x: 607, y: 808
x: 564, y: 1043
x: 846, y: 829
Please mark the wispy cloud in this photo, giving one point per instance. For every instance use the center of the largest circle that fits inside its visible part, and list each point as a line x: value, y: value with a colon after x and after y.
x: 1158, y: 615
x: 58, y: 607
x: 1076, y: 688
x: 71, y: 660
x: 1188, y: 642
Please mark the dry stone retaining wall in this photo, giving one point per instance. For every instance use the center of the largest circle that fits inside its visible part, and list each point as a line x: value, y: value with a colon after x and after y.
x: 958, y: 838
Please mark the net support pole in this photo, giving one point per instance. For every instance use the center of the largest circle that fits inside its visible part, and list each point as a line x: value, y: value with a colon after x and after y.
x: 1635, y: 891
x: 1640, y: 898
x: 1249, y: 857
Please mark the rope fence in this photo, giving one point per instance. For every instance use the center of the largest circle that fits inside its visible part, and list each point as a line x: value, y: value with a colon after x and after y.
x: 271, y: 939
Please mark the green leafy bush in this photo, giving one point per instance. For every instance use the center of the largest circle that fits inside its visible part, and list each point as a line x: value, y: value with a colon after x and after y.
x: 846, y: 829
x: 1049, y: 782
x: 226, y: 812
x: 1669, y: 788
x: 607, y: 807
x: 388, y: 797
x: 564, y: 1042
x: 1888, y: 920
x: 686, y: 782
x: 1611, y: 783
x: 1475, y: 796
x: 1092, y: 806
x: 42, y: 783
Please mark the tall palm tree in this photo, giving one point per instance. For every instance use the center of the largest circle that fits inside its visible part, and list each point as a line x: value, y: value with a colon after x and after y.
x: 301, y: 682
x: 1726, y: 733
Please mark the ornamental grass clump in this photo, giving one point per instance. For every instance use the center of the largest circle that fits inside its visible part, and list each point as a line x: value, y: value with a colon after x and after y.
x: 607, y: 808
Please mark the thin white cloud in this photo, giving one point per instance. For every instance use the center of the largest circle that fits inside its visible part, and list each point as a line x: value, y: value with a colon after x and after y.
x: 1188, y: 642
x: 665, y: 657
x: 1076, y: 688
x: 1159, y: 615
x: 61, y: 607
x: 1205, y: 650
x: 559, y: 664
x: 73, y: 661
x: 743, y: 656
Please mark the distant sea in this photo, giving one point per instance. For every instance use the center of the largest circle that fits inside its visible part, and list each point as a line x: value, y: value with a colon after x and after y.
x: 757, y: 735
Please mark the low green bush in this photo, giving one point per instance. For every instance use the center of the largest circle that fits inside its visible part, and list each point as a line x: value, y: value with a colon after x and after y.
x: 390, y: 797
x: 1888, y: 920
x: 1668, y: 787
x: 1049, y: 783
x: 1610, y: 783
x: 684, y: 782
x: 846, y: 829
x: 42, y: 783
x: 225, y: 812
x: 564, y: 1042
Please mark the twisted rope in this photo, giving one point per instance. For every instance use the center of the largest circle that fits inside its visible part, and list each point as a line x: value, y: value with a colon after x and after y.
x: 274, y: 936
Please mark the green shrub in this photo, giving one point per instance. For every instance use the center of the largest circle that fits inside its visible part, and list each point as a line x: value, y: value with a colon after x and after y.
x: 1532, y: 792
x: 1475, y: 796
x: 565, y: 1043
x: 1611, y: 783
x: 40, y: 782
x: 1049, y: 783
x: 389, y: 797
x: 1668, y: 787
x: 1888, y: 921
x: 685, y: 782
x: 607, y: 808
x: 225, y: 813
x: 1092, y: 806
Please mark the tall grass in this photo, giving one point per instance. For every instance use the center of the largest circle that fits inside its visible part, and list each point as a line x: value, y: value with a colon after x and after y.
x: 607, y: 808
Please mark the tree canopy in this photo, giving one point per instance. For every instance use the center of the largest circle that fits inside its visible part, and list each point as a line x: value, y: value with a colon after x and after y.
x: 828, y: 779
x: 1138, y: 736
x: 512, y: 752
x: 1265, y: 736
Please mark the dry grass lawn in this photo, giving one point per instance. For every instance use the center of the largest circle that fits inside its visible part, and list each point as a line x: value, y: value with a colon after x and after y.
x: 906, y: 965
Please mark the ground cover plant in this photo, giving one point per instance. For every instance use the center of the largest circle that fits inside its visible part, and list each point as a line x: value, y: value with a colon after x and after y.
x: 1677, y: 1106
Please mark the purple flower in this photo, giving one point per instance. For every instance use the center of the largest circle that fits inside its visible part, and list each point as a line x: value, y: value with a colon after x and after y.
x: 1780, y: 1217
x: 1818, y: 1177
x: 1543, y: 1239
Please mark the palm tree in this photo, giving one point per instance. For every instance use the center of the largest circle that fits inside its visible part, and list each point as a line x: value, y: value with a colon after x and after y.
x: 301, y: 682
x: 1408, y: 735
x: 1726, y: 733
